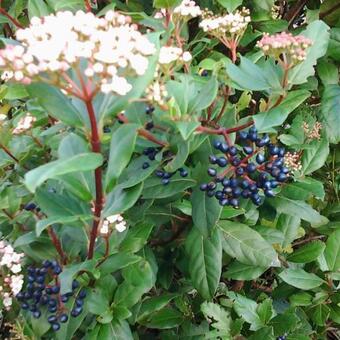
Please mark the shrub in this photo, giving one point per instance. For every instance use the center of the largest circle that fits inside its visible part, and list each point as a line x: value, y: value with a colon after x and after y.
x: 170, y: 170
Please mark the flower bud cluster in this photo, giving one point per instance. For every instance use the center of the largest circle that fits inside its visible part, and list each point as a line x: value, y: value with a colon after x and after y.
x: 10, y: 267
x: 25, y: 123
x: 111, y: 45
x: 312, y: 132
x: 293, y: 47
x: 229, y: 25
x: 170, y: 54
x: 187, y: 10
x: 117, y: 220
x: 292, y: 161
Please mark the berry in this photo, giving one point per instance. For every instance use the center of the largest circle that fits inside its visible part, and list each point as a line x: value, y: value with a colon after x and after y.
x: 234, y: 202
x: 247, y: 150
x: 251, y: 167
x: 273, y: 150
x: 224, y: 202
x: 30, y: 206
x: 44, y: 300
x: 159, y: 173
x: 106, y: 129
x: 225, y: 182
x: 212, y: 159
x: 217, y: 144
x: 212, y: 172
x: 285, y: 170
x: 149, y: 125
x: 281, y: 177
x: 237, y: 192
x: 149, y: 110
x: 32, y: 308
x: 273, y: 184
x: 267, y: 185
x: 79, y: 302
x: 82, y: 294
x: 212, y: 186
x: 183, y: 172
x: 239, y: 171
x: 269, y: 193
x: 232, y: 151
x: 224, y: 147
x: 30, y: 278
x: 204, y: 73
x: 228, y: 190
x: 219, y: 194
x: 260, y: 158
x: 253, y: 129
x: 52, y: 309
x: 233, y: 182
x: 243, y: 135
x: 145, y: 165
x: 20, y: 296
x: 55, y: 289
x: 253, y: 187
x: 245, y: 184
x: 64, y: 298
x: 222, y: 161
x: 269, y: 166
x: 52, y: 319
x: 211, y: 193
x: 203, y: 186
x: 152, y: 156
x: 245, y: 193
x: 36, y: 314
x: 57, y: 270
x: 46, y: 264
x: 252, y: 136
x: 63, y: 318
x: 167, y: 175
x: 275, y: 172
x: 52, y: 302
x: 281, y: 152
x: 236, y: 161
x: 76, y: 311
x: 165, y: 181
x: 56, y: 326
x: 24, y: 306
x: 40, y: 279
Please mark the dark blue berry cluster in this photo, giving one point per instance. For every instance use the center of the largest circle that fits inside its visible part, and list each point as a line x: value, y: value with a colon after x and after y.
x: 281, y: 337
x: 42, y: 292
x: 256, y: 164
x: 162, y: 174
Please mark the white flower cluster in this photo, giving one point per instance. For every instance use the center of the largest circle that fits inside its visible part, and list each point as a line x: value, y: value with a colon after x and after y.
x: 292, y: 161
x: 56, y: 43
x: 117, y: 220
x: 25, y: 123
x: 10, y: 267
x: 170, y: 54
x: 156, y: 93
x: 229, y: 24
x: 187, y: 9
x: 312, y: 132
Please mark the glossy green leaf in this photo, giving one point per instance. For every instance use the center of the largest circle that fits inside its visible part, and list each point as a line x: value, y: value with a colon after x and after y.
x: 220, y: 316
x: 230, y: 5
x: 328, y: 72
x: 332, y: 251
x: 78, y: 163
x: 299, y: 278
x: 122, y: 146
x: 307, y: 253
x: 37, y: 8
x: 240, y: 271
x: 165, y: 318
x: 136, y: 238
x: 304, y: 189
x: 165, y: 3
x: 205, y: 261
x: 315, y: 156
x: 246, y: 245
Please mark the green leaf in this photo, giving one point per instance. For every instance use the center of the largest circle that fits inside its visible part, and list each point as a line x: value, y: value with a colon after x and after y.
x: 247, y: 76
x: 230, y: 5
x: 78, y: 163
x: 37, y: 8
x: 165, y: 3
x: 122, y: 146
x: 187, y: 128
x: 136, y: 238
x: 205, y: 211
x: 315, y: 156
x: 298, y: 209
x: 300, y: 279
x: 307, y: 253
x: 120, y: 199
x: 43, y: 224
x: 328, y: 72
x: 300, y: 299
x: 247, y: 246
x: 283, y: 323
x: 55, y: 103
x: 304, y: 189
x: 332, y: 251
x: 240, y: 271
x: 276, y: 116
x: 289, y: 226
x: 247, y: 309
x: 153, y: 188
x: 318, y: 32
x: 165, y: 318
x: 117, y: 261
x: 221, y: 317
x: 320, y: 314
x: 330, y: 112
x: 205, y: 261
x: 265, y: 311
x: 117, y: 330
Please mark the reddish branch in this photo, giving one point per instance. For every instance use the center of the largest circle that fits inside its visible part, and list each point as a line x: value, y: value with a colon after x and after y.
x: 88, y: 5
x: 14, y: 21
x: 57, y: 244
x: 9, y: 153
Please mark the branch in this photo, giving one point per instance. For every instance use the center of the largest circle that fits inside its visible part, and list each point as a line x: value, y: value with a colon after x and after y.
x: 9, y: 153
x: 57, y: 244
x: 329, y: 11
x: 294, y: 11
x: 14, y: 21
x: 88, y: 6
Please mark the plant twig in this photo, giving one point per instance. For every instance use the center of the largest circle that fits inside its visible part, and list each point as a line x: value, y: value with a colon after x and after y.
x: 14, y: 21
x: 294, y: 11
x: 88, y: 6
x: 329, y: 11
x: 57, y: 244
x: 308, y: 239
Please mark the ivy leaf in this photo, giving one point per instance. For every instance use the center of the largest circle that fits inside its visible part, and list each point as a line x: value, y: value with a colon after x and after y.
x: 300, y: 279
x: 205, y: 261
x: 247, y: 245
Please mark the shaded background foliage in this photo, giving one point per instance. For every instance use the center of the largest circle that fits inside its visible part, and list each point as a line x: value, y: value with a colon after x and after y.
x: 186, y: 268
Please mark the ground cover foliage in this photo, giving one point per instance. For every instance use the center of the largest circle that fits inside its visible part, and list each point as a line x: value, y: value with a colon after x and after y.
x: 170, y: 169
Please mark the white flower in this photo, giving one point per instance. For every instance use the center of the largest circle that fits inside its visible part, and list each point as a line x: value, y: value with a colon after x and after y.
x: 25, y: 123
x: 120, y: 227
x: 186, y: 57
x: 16, y: 268
x: 188, y: 9
x: 2, y: 117
x: 7, y: 300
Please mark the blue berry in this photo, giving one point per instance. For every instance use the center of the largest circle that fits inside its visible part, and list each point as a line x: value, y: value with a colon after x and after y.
x: 263, y: 176
x: 31, y: 270
x: 46, y: 264
x: 227, y: 190
x: 273, y: 184
x: 20, y: 296
x: 36, y: 314
x: 269, y: 193
x: 245, y: 193
x: 225, y: 182
x: 243, y: 135
x: 212, y: 172
x: 52, y: 309
x: 52, y: 319
x: 106, y: 129
x: 281, y: 152
x: 224, y: 147
x: 224, y: 202
x: 30, y: 278
x: 269, y: 166
x: 37, y: 294
x: 149, y: 110
x: 234, y: 202
x: 30, y: 206
x: 217, y: 144
x: 40, y: 286
x: 149, y: 125
x: 82, y: 294
x: 55, y: 289
x: 281, y: 177
x: 32, y: 308
x: 159, y: 173
x: 204, y: 73
x: 232, y: 151
x: 239, y: 171
x: 278, y: 162
x: 222, y: 161
x: 212, y: 159
x: 76, y: 311
x: 233, y: 182
x: 152, y: 156
x: 252, y: 136
x: 285, y: 170
x: 219, y: 194
x: 79, y: 302
x: 253, y: 129
x: 30, y: 287
x: 248, y: 150
x: 57, y: 270
x: 275, y: 172
x: 52, y: 302
x: 203, y: 186
x: 145, y: 165
x: 183, y: 172
x: 167, y: 175
x: 64, y: 298
x: 245, y: 184
x: 63, y: 318
x: 251, y: 167
x: 24, y: 306
x: 165, y: 181
x: 235, y: 161
x: 28, y: 295
x: 40, y: 279
x: 237, y: 192
x: 211, y: 193
x: 253, y: 187
x: 56, y: 326
x: 48, y: 290
x: 267, y: 185
x: 44, y: 300
x: 212, y: 186
x: 273, y: 150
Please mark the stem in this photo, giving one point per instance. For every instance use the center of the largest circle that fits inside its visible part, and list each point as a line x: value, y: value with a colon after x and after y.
x: 9, y: 153
x: 88, y: 6
x: 330, y: 11
x: 14, y: 21
x: 98, y: 205
x: 225, y: 101
x: 57, y: 244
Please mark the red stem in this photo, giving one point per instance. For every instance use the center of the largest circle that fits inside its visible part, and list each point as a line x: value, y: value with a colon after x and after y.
x: 9, y: 153
x: 14, y: 21
x: 98, y: 205
x: 57, y: 244
x: 88, y: 6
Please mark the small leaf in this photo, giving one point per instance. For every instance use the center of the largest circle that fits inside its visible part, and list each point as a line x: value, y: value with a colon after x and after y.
x: 307, y: 253
x: 300, y: 279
